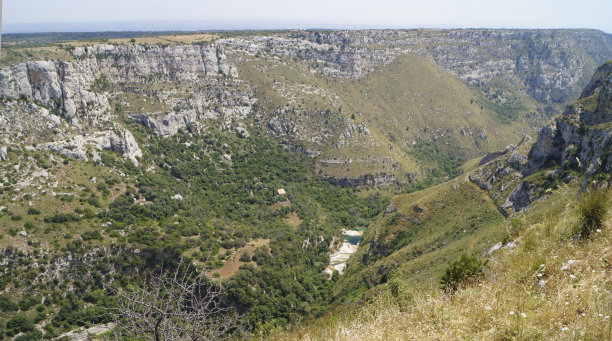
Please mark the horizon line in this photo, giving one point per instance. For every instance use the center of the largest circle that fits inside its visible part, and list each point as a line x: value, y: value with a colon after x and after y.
x: 232, y: 25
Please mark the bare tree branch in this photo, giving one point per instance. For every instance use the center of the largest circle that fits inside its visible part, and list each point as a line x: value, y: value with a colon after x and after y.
x: 181, y: 304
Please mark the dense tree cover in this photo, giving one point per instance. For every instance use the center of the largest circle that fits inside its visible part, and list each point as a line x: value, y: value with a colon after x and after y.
x: 228, y: 202
x: 442, y: 163
x: 194, y: 199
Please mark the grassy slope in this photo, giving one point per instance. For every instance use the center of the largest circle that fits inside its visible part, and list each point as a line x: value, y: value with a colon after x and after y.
x: 507, y: 303
x: 413, y: 109
x: 457, y: 218
x: 412, y: 94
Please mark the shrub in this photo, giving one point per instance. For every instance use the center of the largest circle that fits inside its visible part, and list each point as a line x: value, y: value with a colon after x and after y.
x: 401, y: 293
x: 592, y: 210
x: 461, y: 272
x: 91, y: 235
x: 19, y: 324
x: 33, y: 211
x: 7, y: 305
x: 245, y: 257
x: 61, y: 218
x: 27, y: 302
x: 93, y: 201
x: 189, y: 231
x: 515, y: 226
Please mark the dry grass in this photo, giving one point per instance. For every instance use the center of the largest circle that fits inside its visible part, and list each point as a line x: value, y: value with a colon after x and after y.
x: 293, y: 220
x: 15, y: 55
x: 175, y: 39
x: 231, y: 265
x: 526, y: 294
x: 73, y: 180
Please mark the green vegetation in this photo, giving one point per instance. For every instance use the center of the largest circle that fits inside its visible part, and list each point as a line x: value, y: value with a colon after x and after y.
x: 588, y: 104
x: 126, y: 227
x: 512, y: 107
x: 543, y: 284
x: 101, y: 84
x: 424, y: 120
x: 592, y: 210
x: 461, y: 272
x: 76, y: 235
x: 416, y: 243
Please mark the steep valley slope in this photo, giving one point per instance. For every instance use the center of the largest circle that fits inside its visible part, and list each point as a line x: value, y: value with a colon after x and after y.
x: 544, y: 273
x: 372, y: 107
x: 419, y: 233
x: 258, y: 148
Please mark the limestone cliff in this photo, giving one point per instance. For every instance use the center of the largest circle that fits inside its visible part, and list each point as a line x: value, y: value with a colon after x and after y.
x: 582, y: 136
x: 579, y: 139
x: 298, y: 92
x: 551, y: 65
x: 47, y: 101
x: 76, y: 89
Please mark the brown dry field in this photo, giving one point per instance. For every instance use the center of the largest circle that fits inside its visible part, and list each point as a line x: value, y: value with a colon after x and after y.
x: 293, y: 220
x: 175, y: 39
x: 231, y: 265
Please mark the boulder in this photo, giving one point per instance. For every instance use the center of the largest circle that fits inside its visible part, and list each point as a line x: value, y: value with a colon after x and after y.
x: 242, y: 132
x: 495, y: 247
x: 518, y: 161
x: 123, y: 142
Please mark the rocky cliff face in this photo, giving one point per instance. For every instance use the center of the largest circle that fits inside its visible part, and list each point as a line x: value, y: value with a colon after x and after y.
x: 53, y: 100
x: 76, y: 88
x: 195, y: 87
x: 580, y: 139
x: 84, y: 147
x: 582, y: 136
x: 549, y: 65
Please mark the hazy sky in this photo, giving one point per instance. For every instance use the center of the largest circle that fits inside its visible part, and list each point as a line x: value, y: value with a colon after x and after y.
x: 325, y: 13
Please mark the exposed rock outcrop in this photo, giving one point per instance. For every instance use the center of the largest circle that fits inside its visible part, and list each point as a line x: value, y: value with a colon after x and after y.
x: 77, y: 88
x: 131, y: 63
x: 3, y: 153
x: 242, y: 132
x: 550, y: 63
x: 367, y: 180
x: 169, y: 124
x: 61, y: 85
x: 548, y: 147
x: 123, y: 142
x: 24, y: 120
x: 84, y: 147
x: 582, y: 136
x: 520, y: 197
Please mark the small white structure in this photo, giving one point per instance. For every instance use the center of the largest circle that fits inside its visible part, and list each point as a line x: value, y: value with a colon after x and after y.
x: 281, y: 191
